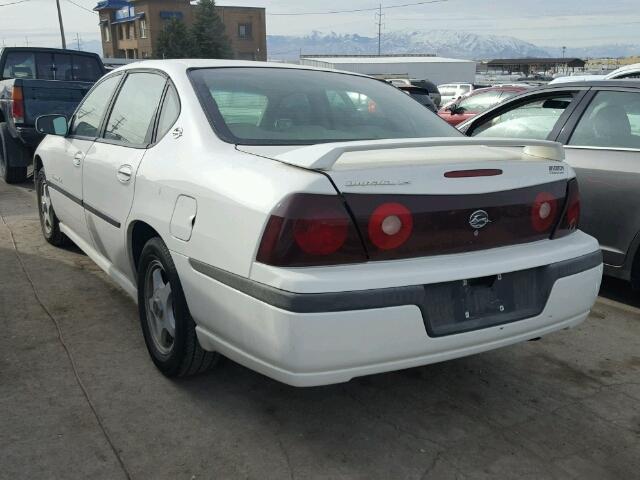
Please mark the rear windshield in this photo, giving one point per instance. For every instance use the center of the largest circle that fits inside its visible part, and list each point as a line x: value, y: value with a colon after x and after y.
x: 278, y: 106
x: 51, y: 66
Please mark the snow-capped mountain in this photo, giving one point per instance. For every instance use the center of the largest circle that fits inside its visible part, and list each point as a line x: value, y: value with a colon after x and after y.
x: 440, y: 42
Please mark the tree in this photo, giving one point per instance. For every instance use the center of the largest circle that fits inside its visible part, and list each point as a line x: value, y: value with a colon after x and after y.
x: 174, y: 40
x: 207, y: 33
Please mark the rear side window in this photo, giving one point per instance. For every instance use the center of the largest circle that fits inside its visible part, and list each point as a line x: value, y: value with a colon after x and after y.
x: 131, y: 120
x: 533, y: 119
x: 86, y: 121
x: 612, y: 120
x: 169, y: 113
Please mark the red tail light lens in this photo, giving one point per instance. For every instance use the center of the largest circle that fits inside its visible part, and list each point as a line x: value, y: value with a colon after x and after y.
x: 321, y: 236
x: 390, y: 226
x: 309, y: 229
x: 544, y: 212
x: 571, y: 212
x: 17, y: 109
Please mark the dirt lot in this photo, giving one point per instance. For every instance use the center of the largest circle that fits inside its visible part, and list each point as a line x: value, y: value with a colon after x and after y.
x: 79, y: 397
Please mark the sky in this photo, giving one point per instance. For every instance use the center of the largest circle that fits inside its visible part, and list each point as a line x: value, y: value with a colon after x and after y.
x: 573, y: 23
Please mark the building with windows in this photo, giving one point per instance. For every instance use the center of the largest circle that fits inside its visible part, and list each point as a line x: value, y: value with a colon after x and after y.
x: 130, y: 28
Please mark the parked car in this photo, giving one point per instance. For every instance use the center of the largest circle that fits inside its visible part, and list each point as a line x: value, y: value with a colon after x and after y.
x: 434, y: 92
x: 536, y: 77
x: 476, y: 102
x: 33, y: 82
x: 628, y: 71
x: 599, y: 124
x: 251, y: 212
x: 421, y: 95
x: 450, y: 92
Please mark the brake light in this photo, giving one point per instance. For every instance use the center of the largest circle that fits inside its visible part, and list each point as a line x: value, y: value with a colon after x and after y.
x: 310, y: 229
x: 17, y: 109
x: 571, y: 213
x: 544, y: 212
x: 390, y: 226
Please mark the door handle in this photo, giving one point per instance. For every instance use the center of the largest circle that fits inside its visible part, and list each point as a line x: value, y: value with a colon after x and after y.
x: 124, y: 173
x: 77, y: 158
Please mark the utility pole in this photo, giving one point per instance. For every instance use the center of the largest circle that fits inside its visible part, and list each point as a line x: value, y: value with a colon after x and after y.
x: 64, y: 42
x: 26, y: 39
x: 379, y: 16
x: 78, y: 41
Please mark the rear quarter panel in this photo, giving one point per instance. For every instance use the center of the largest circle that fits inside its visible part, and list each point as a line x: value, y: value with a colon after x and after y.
x: 235, y: 192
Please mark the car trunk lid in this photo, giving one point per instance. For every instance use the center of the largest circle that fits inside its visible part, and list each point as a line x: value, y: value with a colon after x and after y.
x: 413, y: 198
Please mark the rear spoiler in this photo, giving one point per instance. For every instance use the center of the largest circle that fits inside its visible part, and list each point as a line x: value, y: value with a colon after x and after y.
x: 323, y: 156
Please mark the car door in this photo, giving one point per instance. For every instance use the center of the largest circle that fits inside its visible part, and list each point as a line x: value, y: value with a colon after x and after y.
x: 111, y: 164
x: 603, y: 146
x: 65, y: 156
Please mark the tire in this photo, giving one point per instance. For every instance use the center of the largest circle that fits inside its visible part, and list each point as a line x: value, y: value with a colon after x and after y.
x: 49, y: 222
x: 168, y: 329
x: 10, y: 150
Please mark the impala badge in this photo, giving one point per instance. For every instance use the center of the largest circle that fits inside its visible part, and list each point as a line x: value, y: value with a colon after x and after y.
x: 479, y: 219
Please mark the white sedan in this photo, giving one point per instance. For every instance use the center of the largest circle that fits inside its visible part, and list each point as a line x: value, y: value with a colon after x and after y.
x: 312, y: 225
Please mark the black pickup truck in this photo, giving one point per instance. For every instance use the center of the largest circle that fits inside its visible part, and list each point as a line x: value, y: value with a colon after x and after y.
x: 34, y: 82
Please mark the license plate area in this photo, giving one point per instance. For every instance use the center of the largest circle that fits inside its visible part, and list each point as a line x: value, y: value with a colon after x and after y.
x: 472, y: 304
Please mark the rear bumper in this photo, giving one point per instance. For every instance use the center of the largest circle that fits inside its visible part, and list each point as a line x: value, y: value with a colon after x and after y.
x: 307, y: 339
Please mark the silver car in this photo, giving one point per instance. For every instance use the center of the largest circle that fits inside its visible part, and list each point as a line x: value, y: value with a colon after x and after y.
x: 598, y: 122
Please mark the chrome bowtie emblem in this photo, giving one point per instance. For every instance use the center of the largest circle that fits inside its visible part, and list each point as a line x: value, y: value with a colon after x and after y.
x: 479, y: 219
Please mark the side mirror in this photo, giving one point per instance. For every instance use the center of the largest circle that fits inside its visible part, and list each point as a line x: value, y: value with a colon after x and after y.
x: 52, y: 125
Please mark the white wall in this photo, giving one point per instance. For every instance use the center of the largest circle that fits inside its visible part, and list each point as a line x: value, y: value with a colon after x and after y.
x: 438, y: 73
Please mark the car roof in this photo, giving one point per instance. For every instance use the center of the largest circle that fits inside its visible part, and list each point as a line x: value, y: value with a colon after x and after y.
x: 48, y: 49
x: 628, y: 83
x: 180, y: 65
x: 625, y: 69
x: 510, y: 88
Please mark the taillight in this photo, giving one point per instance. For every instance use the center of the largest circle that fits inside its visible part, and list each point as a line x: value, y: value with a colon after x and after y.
x: 544, y: 212
x: 17, y: 109
x: 571, y: 211
x: 390, y: 226
x: 310, y: 229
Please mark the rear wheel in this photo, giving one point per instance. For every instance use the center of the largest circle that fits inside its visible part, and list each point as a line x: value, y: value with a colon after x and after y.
x: 168, y: 329
x: 11, y: 150
x: 48, y: 219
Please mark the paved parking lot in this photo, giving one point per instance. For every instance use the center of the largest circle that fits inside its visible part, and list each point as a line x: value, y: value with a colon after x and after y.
x: 79, y: 397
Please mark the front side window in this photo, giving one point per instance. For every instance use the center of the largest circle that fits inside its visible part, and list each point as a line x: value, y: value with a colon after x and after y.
x: 533, y: 119
x: 277, y: 106
x: 612, y: 120
x: 131, y: 120
x: 87, y: 119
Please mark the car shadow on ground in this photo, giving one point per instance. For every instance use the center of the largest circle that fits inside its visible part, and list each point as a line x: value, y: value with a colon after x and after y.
x: 620, y: 291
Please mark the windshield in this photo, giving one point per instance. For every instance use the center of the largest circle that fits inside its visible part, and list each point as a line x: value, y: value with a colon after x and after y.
x: 278, y: 106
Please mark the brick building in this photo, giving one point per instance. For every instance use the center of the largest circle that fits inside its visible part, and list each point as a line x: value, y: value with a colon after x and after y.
x: 130, y: 28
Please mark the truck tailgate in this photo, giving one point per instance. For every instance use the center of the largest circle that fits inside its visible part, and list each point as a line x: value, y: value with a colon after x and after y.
x: 43, y: 97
